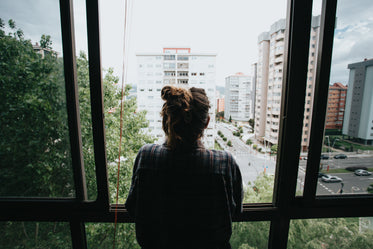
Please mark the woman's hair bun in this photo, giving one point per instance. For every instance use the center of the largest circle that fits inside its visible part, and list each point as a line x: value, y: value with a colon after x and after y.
x: 166, y: 92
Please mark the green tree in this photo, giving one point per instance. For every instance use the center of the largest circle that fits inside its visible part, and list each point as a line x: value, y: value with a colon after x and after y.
x: 34, y: 139
x: 46, y: 42
x: 274, y: 149
x: 230, y: 119
x: 251, y: 123
x: 229, y: 143
x: 249, y: 142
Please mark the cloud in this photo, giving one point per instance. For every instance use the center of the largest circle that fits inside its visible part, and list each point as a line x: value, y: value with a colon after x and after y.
x: 353, y: 37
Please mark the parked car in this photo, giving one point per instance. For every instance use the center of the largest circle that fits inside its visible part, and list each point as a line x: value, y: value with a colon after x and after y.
x: 329, y: 178
x: 324, y: 157
x: 322, y: 174
x: 361, y: 172
x: 340, y: 156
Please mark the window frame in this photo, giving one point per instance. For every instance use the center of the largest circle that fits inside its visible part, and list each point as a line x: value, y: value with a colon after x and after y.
x: 285, y: 206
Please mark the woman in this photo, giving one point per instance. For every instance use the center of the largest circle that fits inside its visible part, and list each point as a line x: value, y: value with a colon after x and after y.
x: 182, y: 194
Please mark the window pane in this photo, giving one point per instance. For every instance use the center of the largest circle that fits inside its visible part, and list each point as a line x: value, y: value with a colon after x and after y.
x: 247, y: 235
x: 101, y: 235
x: 348, y: 140
x: 34, y: 140
x: 204, y: 51
x: 82, y: 64
x: 35, y: 235
x: 331, y: 233
x: 309, y: 95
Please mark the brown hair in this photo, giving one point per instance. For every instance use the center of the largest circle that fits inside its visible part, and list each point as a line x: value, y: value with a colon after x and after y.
x: 185, y: 115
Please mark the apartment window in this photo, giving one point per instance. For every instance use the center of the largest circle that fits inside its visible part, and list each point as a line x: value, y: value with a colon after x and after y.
x: 283, y: 212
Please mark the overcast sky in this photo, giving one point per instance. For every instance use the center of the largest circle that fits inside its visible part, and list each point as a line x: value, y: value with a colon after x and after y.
x: 227, y: 28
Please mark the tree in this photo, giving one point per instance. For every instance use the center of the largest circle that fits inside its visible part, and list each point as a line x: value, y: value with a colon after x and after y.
x: 249, y: 142
x: 34, y: 140
x: 220, y: 115
x: 274, y: 149
x: 251, y: 123
x: 230, y: 119
x: 46, y: 42
x: 229, y: 143
x: 34, y: 143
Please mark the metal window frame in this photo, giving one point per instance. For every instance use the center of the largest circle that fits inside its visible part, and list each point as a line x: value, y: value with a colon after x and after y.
x: 285, y: 207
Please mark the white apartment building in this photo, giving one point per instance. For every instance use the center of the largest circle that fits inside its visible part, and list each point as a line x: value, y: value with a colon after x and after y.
x: 358, y: 116
x: 269, y: 73
x: 179, y: 67
x: 238, y: 97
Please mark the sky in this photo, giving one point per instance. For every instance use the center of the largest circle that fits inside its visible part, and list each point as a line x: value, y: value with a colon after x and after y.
x: 228, y: 28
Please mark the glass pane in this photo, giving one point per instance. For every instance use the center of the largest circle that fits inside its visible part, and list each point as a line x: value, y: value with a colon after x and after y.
x: 250, y: 235
x: 80, y: 26
x: 101, y: 235
x: 331, y: 233
x: 348, y: 142
x: 243, y: 237
x: 54, y: 235
x: 34, y: 139
x: 310, y: 93
x: 205, y: 51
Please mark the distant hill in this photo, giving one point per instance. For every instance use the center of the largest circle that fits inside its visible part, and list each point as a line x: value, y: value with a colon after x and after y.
x: 221, y: 89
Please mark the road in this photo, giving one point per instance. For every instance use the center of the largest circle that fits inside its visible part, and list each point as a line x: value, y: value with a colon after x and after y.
x: 352, y: 183
x: 253, y: 163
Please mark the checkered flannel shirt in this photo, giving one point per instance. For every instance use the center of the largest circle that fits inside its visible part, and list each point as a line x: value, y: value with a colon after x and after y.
x: 184, y: 198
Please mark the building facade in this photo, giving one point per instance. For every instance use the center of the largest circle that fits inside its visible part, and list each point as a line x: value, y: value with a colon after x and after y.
x: 358, y: 118
x: 220, y: 104
x: 271, y: 48
x: 336, y: 106
x: 178, y: 67
x: 238, y: 97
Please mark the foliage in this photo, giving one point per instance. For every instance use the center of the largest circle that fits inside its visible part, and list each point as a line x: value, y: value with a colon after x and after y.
x: 230, y: 119
x: 251, y: 122
x: 274, y: 149
x: 217, y: 146
x: 34, y: 139
x: 229, y: 143
x: 220, y: 115
x: 249, y: 142
x: 224, y: 139
x: 34, y: 143
x: 255, y: 146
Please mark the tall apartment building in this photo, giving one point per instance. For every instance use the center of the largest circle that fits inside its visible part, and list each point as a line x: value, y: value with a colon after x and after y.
x: 336, y: 106
x: 358, y: 118
x: 179, y: 67
x: 238, y: 101
x: 271, y: 46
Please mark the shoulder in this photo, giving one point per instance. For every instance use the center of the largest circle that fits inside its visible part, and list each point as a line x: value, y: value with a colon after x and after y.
x: 150, y: 155
x: 220, y: 155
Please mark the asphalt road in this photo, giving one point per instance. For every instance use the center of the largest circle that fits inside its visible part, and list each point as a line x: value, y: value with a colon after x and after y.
x: 252, y: 164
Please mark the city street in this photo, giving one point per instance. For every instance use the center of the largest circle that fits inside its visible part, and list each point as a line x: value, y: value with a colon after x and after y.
x: 253, y: 163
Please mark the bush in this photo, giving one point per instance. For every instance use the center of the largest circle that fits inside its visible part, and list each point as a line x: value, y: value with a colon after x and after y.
x: 229, y: 143
x: 249, y: 142
x: 260, y: 149
x: 219, y: 133
x: 225, y: 139
x: 353, y: 168
x: 255, y: 146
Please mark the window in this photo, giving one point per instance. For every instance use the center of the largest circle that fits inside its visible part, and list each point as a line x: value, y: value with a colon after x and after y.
x: 274, y: 218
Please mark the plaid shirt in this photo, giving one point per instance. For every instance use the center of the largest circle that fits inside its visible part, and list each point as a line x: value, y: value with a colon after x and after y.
x: 184, y: 198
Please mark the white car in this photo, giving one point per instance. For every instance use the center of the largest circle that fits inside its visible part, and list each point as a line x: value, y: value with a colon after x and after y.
x: 329, y: 178
x: 361, y: 172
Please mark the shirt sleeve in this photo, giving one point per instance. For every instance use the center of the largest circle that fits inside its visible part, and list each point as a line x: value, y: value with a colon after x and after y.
x: 238, y: 193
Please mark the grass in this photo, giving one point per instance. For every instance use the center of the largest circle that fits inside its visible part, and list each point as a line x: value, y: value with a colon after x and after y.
x: 217, y: 146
